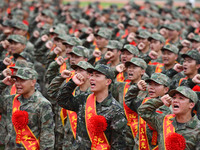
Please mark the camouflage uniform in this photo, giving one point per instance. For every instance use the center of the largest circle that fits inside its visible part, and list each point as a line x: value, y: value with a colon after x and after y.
x: 109, y: 108
x: 190, y: 130
x: 40, y: 115
x: 170, y: 72
x: 53, y: 89
x: 157, y: 37
x: 134, y: 98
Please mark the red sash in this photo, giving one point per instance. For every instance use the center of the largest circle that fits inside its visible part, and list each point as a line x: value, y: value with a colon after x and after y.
x: 167, y: 126
x: 120, y: 77
x: 72, y: 118
x: 54, y: 46
x: 143, y: 140
x: 132, y: 116
x: 159, y: 68
x: 195, y: 88
x: 25, y: 136
x: 99, y: 142
x: 13, y: 90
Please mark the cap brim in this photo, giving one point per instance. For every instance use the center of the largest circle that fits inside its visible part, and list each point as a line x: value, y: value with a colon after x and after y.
x: 76, y: 54
x: 173, y: 92
x: 90, y: 70
x: 128, y: 64
x: 76, y: 66
x: 148, y: 80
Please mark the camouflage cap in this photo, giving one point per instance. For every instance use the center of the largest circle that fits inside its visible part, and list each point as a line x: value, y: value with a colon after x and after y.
x: 114, y: 44
x: 155, y: 15
x: 173, y: 26
x: 104, y: 69
x: 20, y: 25
x: 24, y: 55
x: 133, y: 23
x: 17, y: 38
x: 20, y: 64
x: 196, y: 38
x: 26, y: 74
x: 74, y: 41
x: 143, y: 34
x: 84, y: 21
x: 82, y: 64
x: 114, y: 17
x: 171, y: 48
x: 185, y: 91
x: 141, y: 13
x: 160, y: 78
x: 100, y: 24
x: 78, y: 50
x: 194, y: 54
x: 63, y: 37
x: 158, y: 37
x: 48, y: 13
x: 56, y: 30
x: 138, y: 62
x: 8, y: 23
x: 131, y: 48
x: 149, y: 26
x: 105, y: 33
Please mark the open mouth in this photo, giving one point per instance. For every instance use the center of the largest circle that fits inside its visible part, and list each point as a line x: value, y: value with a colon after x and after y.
x: 176, y: 106
x: 130, y: 74
x: 92, y: 85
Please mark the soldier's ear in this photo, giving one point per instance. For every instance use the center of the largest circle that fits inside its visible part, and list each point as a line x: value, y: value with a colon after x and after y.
x: 166, y: 89
x: 109, y: 81
x: 191, y: 105
x: 33, y: 82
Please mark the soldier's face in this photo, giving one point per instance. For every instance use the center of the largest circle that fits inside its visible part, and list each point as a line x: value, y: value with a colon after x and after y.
x: 156, y: 90
x: 134, y: 73
x: 181, y: 105
x: 126, y: 56
x: 155, y: 45
x: 98, y: 82
x: 16, y: 47
x: 74, y: 59
x: 168, y: 57
x: 101, y: 42
x: 190, y: 66
x: 24, y: 87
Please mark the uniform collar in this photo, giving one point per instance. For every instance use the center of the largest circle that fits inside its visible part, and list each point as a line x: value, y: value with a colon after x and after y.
x: 190, y: 124
x: 107, y: 101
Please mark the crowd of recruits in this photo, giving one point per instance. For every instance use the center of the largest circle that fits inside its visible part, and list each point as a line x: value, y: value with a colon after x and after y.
x: 95, y: 78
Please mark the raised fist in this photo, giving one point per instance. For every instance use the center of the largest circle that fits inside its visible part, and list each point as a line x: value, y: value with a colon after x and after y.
x: 57, y: 50
x: 178, y: 67
x: 66, y: 74
x: 60, y: 60
x: 142, y: 85
x: 120, y: 26
x: 7, y: 72
x: 196, y: 79
x: 96, y: 53
x: 78, y: 79
x: 141, y: 46
x: 166, y: 99
x: 90, y: 38
x: 153, y: 55
x: 191, y: 35
x: 44, y: 38
x: 36, y: 34
x: 8, y: 80
x: 109, y: 55
x: 7, y: 61
x: 131, y: 37
x: 185, y: 43
x: 49, y: 44
x: 5, y: 44
x: 120, y: 68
